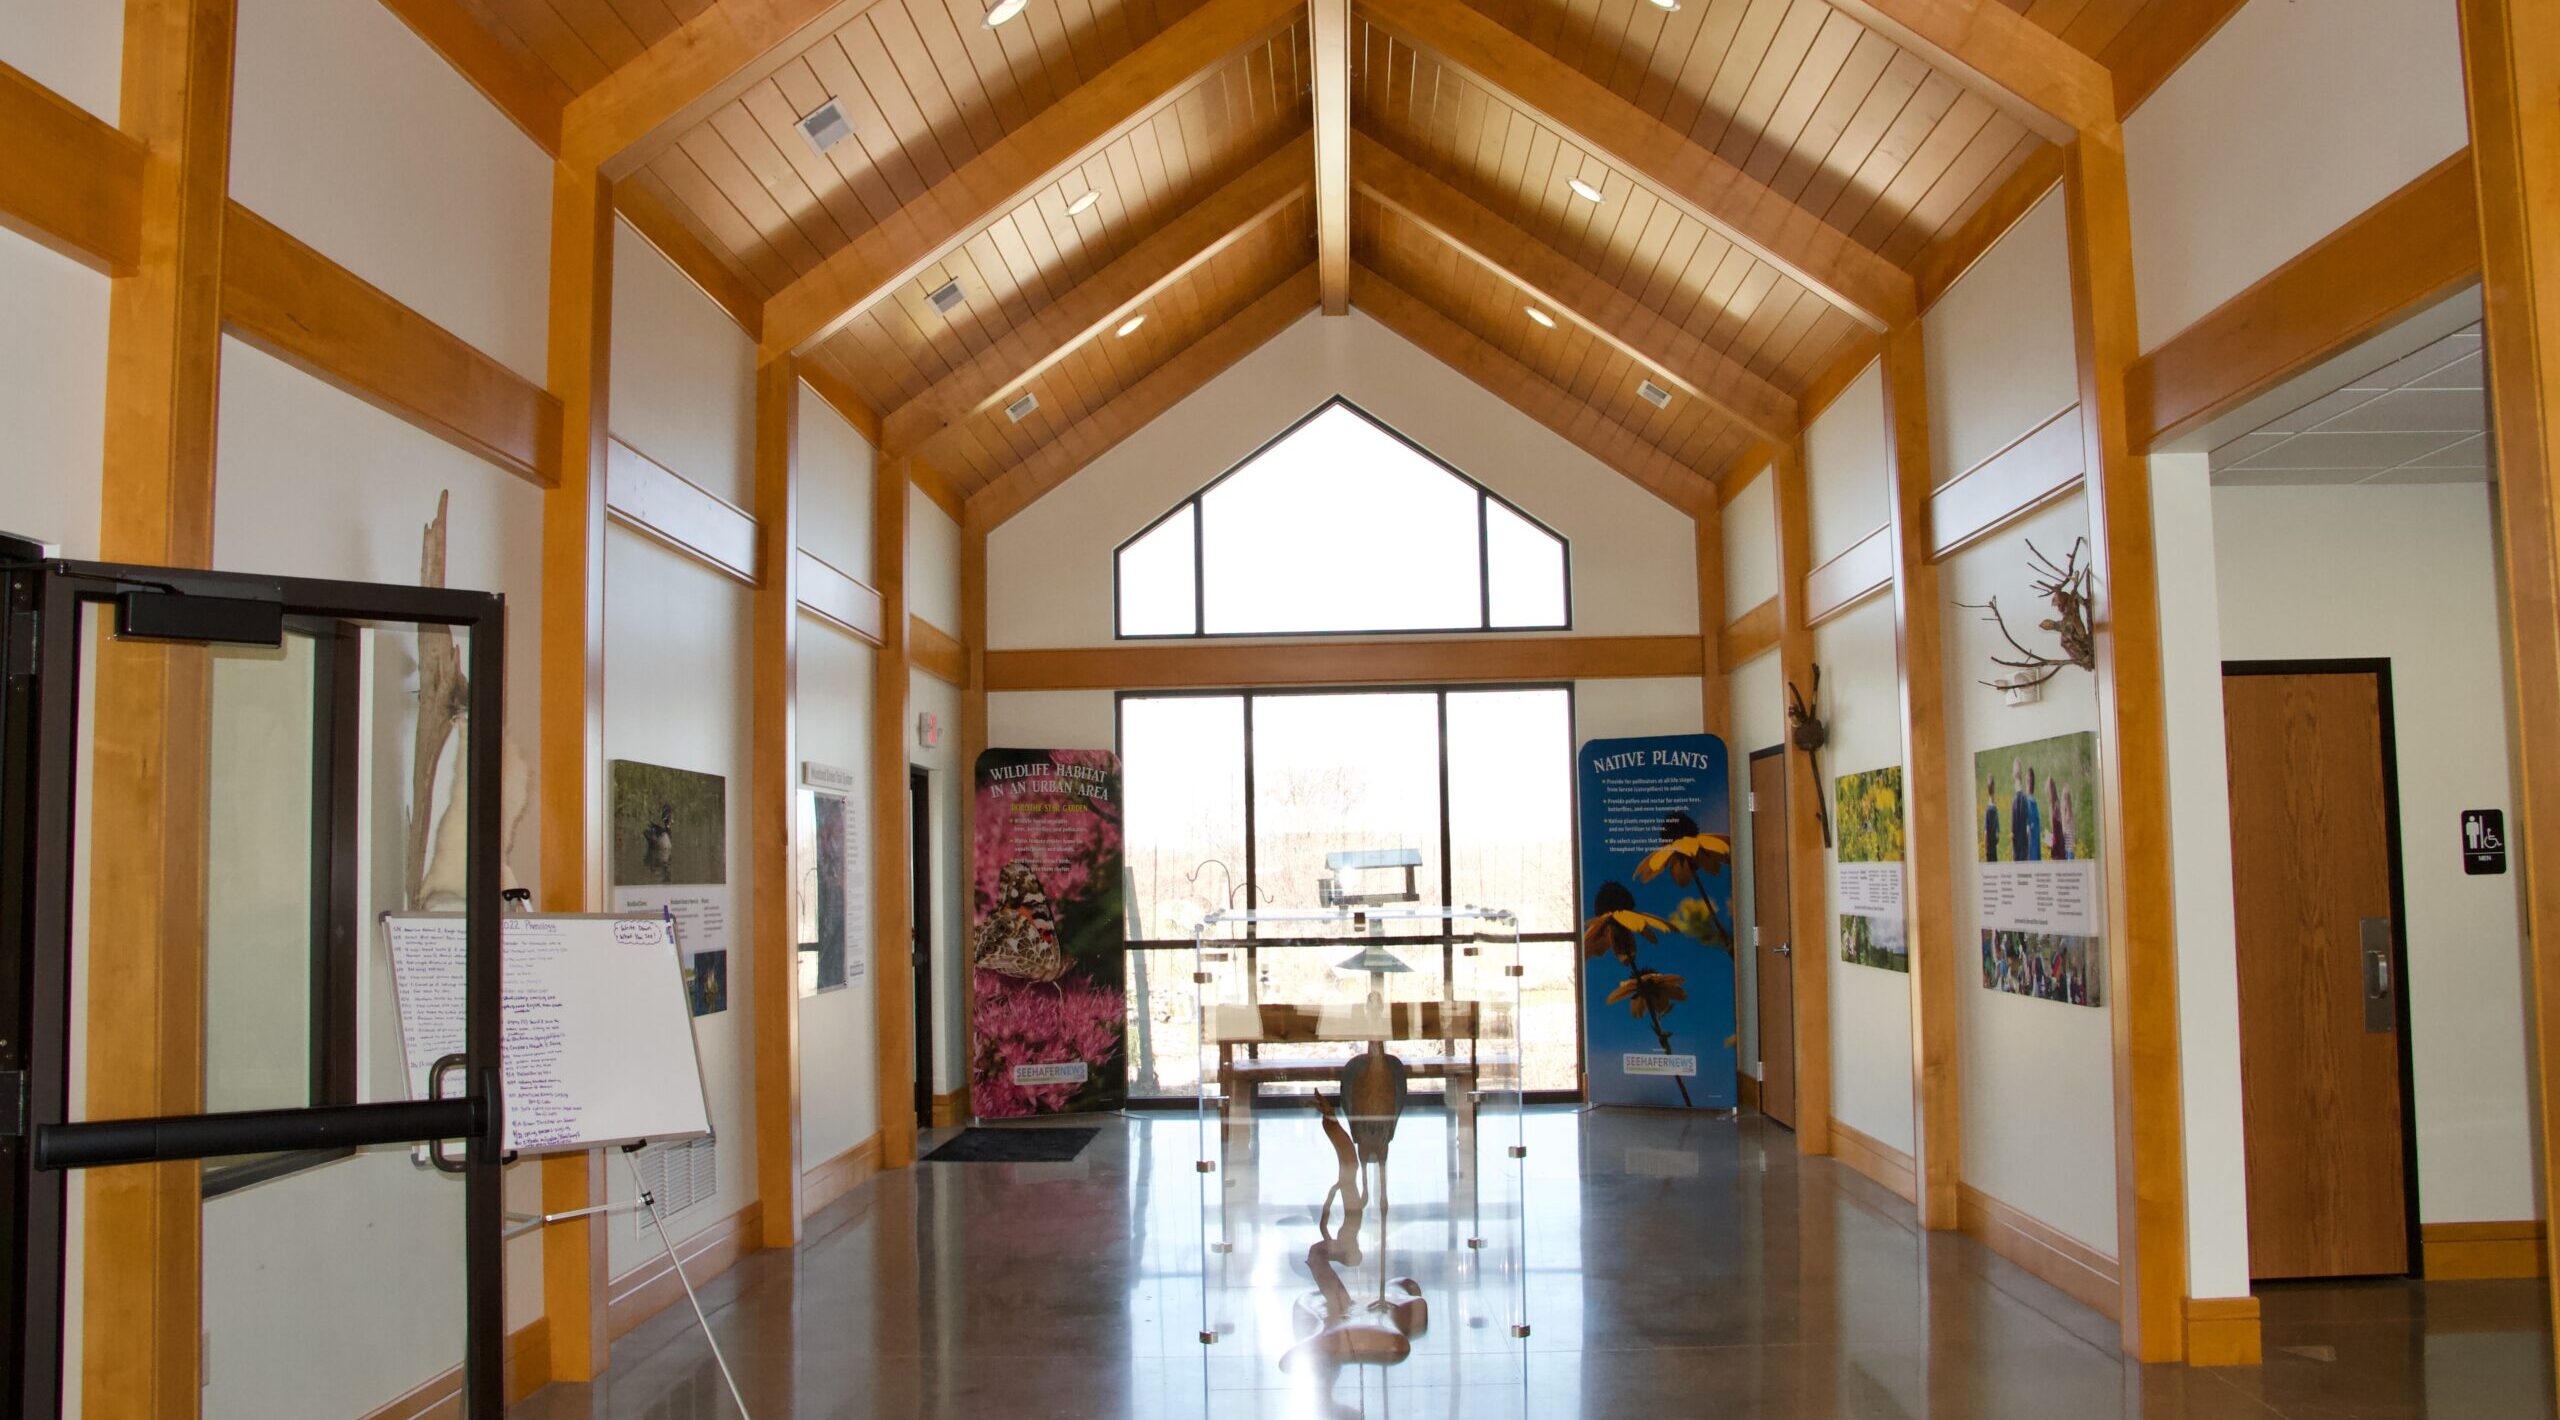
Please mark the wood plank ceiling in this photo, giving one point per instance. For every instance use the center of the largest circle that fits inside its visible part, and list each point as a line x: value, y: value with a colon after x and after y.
x: 1461, y: 195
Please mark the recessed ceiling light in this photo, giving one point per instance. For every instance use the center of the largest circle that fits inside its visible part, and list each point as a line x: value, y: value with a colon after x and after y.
x: 1130, y: 326
x: 1586, y: 191
x: 1084, y: 204
x: 1022, y: 408
x: 1667, y: 6
x: 946, y: 297
x: 825, y: 126
x: 1542, y: 318
x: 1003, y: 10
x: 1654, y: 395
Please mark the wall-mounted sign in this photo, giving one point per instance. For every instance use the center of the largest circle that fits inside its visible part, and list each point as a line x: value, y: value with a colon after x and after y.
x: 826, y: 778
x: 2484, y: 841
x: 929, y: 730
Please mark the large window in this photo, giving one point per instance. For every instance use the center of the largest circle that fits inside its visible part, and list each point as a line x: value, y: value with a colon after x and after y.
x: 1237, y: 798
x: 1341, y: 525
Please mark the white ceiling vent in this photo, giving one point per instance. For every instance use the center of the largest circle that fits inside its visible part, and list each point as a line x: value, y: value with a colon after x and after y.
x: 825, y: 126
x: 1021, y: 408
x: 1655, y: 395
x: 946, y: 297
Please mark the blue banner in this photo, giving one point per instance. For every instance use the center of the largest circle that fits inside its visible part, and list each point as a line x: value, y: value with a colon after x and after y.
x: 1657, y: 921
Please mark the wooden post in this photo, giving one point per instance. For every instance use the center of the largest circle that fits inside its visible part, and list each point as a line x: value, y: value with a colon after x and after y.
x: 572, y: 822
x: 1715, y: 686
x: 141, y: 1252
x: 1807, y: 926
x: 2133, y: 764
x: 1928, y: 870
x: 973, y: 742
x: 774, y: 798
x: 2511, y: 66
x: 893, y: 985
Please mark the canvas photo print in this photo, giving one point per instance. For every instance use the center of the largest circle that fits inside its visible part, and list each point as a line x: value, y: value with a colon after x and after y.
x: 1867, y: 809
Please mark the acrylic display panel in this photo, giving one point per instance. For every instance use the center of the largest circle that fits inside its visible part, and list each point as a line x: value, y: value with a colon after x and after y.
x: 1361, y: 1159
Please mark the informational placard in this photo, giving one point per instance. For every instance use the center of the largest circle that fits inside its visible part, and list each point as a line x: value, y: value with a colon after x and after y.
x: 1867, y: 877
x: 2043, y: 918
x: 1048, y: 936
x: 834, y: 908
x: 671, y: 858
x: 1657, y: 930
x: 2484, y: 841
x: 596, y: 1042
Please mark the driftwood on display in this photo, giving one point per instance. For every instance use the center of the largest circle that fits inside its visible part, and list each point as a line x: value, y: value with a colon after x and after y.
x: 444, y: 697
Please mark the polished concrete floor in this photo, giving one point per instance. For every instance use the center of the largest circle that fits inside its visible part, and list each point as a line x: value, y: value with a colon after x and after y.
x: 1662, y: 1265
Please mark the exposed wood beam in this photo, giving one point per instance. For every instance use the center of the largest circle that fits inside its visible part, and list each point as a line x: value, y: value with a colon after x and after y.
x: 1937, y: 958
x: 72, y: 182
x: 1172, y: 252
x: 1472, y: 660
x: 773, y: 803
x: 1506, y: 379
x: 690, y: 254
x: 936, y: 487
x: 937, y: 652
x: 1944, y: 261
x: 2511, y: 69
x: 531, y: 96
x: 2133, y: 764
x: 1809, y: 929
x: 2030, y: 72
x: 636, y: 111
x: 892, y: 916
x: 1568, y: 289
x: 1753, y: 633
x: 2145, y: 53
x: 141, y: 1251
x: 575, y: 1280
x: 1004, y: 176
x: 1715, y: 673
x: 305, y: 309
x: 1138, y: 406
x: 1329, y: 48
x: 1693, y: 179
x: 2395, y: 257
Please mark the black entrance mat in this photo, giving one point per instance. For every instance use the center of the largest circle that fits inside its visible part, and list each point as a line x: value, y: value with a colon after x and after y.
x: 1012, y: 1146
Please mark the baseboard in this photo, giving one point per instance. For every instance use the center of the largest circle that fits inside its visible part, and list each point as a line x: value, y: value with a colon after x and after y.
x: 1749, y: 1095
x: 950, y: 1109
x: 2223, y: 1331
x: 528, y: 1370
x: 2080, y: 1271
x: 651, y: 1287
x: 836, y: 1177
x: 1882, y: 1162
x: 2474, y: 1252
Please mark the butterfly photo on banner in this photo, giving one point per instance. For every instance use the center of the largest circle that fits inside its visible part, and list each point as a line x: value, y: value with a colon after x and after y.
x: 1020, y: 937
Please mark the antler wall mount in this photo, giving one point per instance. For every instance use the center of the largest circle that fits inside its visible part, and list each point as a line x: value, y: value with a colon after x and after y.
x: 1806, y: 732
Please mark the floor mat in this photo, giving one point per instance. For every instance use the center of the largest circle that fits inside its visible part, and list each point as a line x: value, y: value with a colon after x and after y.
x: 1012, y: 1146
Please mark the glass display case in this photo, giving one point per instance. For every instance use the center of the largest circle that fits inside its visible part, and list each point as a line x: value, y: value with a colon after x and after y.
x: 1361, y: 1156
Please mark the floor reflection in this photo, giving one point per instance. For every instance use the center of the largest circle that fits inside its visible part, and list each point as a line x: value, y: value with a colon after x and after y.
x: 1664, y: 1265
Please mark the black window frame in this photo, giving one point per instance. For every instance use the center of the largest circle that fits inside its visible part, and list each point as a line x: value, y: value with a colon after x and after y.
x: 1190, y: 508
x: 1249, y: 884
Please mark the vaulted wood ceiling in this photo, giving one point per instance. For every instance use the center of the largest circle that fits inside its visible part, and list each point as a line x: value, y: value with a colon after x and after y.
x: 1770, y: 173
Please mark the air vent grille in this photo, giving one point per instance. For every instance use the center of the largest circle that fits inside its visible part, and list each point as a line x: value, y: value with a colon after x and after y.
x: 946, y: 297
x: 825, y: 126
x: 1021, y: 408
x: 1655, y: 395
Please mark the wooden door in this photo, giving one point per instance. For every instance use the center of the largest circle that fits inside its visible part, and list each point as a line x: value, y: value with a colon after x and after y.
x: 1773, y: 951
x: 2312, y: 868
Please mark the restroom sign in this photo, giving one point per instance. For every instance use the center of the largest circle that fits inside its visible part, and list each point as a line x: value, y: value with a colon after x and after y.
x: 2484, y: 841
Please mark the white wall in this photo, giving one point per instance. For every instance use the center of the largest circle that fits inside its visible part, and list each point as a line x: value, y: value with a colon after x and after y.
x: 1049, y: 569
x: 2200, y: 859
x: 1998, y: 345
x: 1751, y: 546
x: 458, y: 227
x: 75, y: 50
x: 1053, y: 719
x: 1847, y: 491
x: 1870, y: 1007
x: 2410, y: 573
x: 53, y: 395
x: 933, y: 563
x: 835, y: 488
x: 684, y: 375
x: 2289, y: 121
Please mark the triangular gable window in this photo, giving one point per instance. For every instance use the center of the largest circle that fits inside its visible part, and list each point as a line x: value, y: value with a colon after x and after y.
x: 1342, y: 525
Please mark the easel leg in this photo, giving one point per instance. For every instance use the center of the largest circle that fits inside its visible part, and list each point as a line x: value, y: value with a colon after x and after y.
x: 649, y: 1207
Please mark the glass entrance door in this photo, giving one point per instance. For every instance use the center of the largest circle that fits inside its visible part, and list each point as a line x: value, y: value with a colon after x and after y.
x: 211, y: 786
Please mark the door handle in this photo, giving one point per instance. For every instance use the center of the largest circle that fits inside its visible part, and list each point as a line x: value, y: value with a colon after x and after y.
x: 1782, y: 950
x: 2381, y: 1015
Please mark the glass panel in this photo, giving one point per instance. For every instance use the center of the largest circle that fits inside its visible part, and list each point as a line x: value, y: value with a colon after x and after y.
x: 1182, y: 760
x: 1550, y: 1017
x: 1361, y: 1244
x: 1340, y: 526
x: 1157, y: 579
x: 259, y: 890
x: 1342, y: 774
x: 1511, y: 804
x: 1528, y: 569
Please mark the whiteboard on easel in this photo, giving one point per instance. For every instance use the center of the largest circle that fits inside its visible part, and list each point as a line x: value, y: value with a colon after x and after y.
x: 597, y: 1038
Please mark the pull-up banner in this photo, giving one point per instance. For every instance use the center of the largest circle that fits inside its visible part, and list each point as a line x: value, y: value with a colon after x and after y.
x: 1048, y: 944
x: 1657, y: 921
